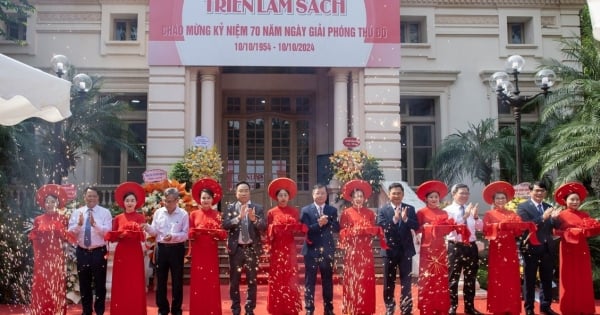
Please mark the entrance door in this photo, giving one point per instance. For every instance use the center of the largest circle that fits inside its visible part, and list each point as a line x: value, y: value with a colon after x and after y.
x: 269, y: 136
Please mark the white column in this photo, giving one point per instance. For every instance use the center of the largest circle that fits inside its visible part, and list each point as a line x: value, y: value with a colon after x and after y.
x: 207, y: 121
x: 356, y: 115
x: 191, y: 106
x: 166, y: 140
x: 340, y: 105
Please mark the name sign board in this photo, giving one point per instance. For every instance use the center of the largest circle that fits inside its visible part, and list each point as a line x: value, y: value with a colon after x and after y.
x: 155, y: 175
x: 351, y: 142
x: 71, y: 191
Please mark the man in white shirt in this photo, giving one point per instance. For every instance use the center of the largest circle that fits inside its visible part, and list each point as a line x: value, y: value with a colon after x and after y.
x: 170, y: 226
x: 463, y: 257
x: 89, y: 224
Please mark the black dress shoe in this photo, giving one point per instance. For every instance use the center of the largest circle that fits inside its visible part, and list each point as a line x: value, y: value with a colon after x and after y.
x: 452, y: 310
x: 529, y: 312
x: 472, y: 311
x: 310, y: 313
x: 329, y: 312
x: 548, y: 311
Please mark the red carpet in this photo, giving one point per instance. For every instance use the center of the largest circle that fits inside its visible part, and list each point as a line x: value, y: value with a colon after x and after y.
x: 261, y: 308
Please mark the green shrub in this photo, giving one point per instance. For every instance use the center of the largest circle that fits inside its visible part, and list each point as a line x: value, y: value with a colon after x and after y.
x: 482, y: 272
x: 181, y: 174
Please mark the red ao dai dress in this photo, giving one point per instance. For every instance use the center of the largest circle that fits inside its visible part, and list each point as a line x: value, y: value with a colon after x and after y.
x: 128, y: 290
x: 434, y: 297
x: 357, y: 228
x: 576, y: 289
x: 502, y: 227
x: 283, y: 292
x: 48, y: 292
x: 205, y: 287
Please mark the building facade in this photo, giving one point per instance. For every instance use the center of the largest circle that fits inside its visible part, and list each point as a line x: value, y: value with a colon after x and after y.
x: 285, y: 116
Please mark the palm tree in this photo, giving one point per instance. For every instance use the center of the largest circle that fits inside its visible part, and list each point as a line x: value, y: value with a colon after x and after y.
x: 94, y: 125
x: 475, y: 152
x: 573, y: 110
x: 531, y: 142
x: 574, y: 150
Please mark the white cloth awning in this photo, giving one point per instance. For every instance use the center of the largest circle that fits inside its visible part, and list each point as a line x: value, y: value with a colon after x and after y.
x: 29, y: 92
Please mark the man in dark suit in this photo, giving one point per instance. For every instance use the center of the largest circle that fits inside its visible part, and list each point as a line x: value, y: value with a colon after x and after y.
x: 244, y: 222
x: 398, y: 220
x: 538, y: 257
x: 319, y: 248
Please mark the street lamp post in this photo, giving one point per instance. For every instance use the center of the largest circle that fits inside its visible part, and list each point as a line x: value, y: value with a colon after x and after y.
x: 82, y: 83
x: 510, y: 95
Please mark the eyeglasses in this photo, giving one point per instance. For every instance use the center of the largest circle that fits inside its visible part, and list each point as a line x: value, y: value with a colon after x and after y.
x: 170, y: 200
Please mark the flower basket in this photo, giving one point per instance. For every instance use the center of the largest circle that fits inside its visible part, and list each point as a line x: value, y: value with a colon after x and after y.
x: 513, y: 204
x: 347, y: 165
x: 203, y: 162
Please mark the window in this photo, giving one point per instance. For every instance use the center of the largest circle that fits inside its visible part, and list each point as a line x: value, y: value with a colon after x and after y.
x: 418, y: 139
x: 116, y: 165
x: 519, y: 30
x: 124, y: 27
x: 412, y: 29
x: 16, y: 27
x: 516, y: 33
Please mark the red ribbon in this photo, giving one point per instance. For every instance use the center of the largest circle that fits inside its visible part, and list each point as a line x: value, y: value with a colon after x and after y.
x: 441, y: 228
x: 574, y: 235
x: 514, y: 226
x: 280, y: 229
x: 115, y: 236
x: 218, y: 234
x: 347, y: 233
x: 586, y: 227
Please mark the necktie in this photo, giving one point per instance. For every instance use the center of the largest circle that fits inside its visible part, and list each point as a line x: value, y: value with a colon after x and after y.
x: 540, y: 208
x: 245, y: 230
x: 319, y: 211
x: 87, y: 234
x: 462, y: 211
